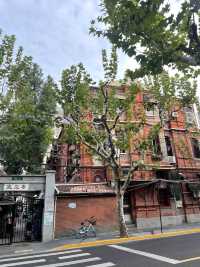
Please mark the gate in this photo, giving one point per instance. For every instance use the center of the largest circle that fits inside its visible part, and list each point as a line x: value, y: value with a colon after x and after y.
x: 7, y: 210
x: 20, y: 219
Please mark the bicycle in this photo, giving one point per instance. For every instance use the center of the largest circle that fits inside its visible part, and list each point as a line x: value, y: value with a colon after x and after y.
x: 87, y: 228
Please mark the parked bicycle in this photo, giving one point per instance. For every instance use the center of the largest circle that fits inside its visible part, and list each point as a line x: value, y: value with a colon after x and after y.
x: 87, y: 228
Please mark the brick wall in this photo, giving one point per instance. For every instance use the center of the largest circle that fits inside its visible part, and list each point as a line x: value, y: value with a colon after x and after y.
x: 102, y: 207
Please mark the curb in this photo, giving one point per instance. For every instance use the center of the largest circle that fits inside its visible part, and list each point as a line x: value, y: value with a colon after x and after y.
x: 127, y: 239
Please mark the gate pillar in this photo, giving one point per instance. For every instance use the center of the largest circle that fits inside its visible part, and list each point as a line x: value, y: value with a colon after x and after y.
x: 48, y: 216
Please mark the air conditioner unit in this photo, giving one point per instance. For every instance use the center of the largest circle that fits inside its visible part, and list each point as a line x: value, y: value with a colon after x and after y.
x: 174, y: 114
x: 179, y: 204
x: 196, y: 194
x: 172, y: 159
x: 146, y: 98
x: 72, y: 147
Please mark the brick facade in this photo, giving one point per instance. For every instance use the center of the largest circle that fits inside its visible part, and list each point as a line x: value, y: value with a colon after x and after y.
x: 149, y: 202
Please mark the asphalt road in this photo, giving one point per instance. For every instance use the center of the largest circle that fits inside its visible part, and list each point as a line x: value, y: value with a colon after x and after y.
x: 182, y: 251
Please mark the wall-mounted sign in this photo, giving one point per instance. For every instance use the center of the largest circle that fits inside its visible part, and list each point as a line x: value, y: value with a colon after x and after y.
x: 48, y: 219
x: 72, y: 205
x: 15, y: 187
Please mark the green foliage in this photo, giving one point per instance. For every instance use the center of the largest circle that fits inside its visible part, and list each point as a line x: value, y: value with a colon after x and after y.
x: 27, y: 103
x: 183, y: 149
x: 171, y: 93
x: 110, y: 66
x: 74, y: 84
x: 148, y: 31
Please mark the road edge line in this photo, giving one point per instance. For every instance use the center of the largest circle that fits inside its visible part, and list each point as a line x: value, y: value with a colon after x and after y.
x: 127, y: 239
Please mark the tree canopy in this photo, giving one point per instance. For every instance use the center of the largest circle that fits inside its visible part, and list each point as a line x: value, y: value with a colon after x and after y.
x: 150, y: 32
x: 27, y: 102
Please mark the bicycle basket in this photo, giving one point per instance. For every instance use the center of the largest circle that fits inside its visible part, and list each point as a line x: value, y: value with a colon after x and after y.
x: 93, y: 221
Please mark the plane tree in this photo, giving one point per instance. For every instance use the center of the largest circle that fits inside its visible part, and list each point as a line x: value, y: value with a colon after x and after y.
x: 152, y: 33
x: 27, y: 106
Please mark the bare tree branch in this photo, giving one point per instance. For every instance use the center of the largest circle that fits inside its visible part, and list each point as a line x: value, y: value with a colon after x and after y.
x: 97, y: 150
x: 116, y: 120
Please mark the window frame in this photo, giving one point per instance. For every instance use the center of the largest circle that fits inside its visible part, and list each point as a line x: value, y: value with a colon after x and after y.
x: 196, y: 154
x: 170, y: 152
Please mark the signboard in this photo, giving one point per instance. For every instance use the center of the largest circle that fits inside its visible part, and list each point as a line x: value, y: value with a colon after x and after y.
x: 16, y: 187
x: 72, y: 205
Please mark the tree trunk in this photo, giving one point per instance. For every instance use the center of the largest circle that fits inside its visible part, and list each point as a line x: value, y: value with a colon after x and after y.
x: 120, y: 210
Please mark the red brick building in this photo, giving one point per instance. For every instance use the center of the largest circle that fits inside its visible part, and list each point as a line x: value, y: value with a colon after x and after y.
x: 166, y: 193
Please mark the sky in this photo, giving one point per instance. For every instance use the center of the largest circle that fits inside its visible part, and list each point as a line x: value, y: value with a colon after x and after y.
x: 56, y: 34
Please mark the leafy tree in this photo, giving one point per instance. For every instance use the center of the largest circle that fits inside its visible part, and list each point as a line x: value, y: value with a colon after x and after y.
x: 94, y: 117
x: 171, y: 93
x: 149, y: 32
x: 27, y: 102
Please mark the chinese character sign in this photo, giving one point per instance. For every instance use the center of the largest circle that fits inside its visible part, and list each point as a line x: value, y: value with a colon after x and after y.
x: 16, y: 187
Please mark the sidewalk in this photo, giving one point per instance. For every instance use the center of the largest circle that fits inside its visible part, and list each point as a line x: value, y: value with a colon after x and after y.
x: 102, y: 238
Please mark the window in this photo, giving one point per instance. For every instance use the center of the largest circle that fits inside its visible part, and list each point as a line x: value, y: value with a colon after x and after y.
x: 98, y: 179
x: 98, y: 124
x: 150, y: 106
x: 150, y: 109
x: 195, y: 147
x: 125, y: 172
x: 121, y: 91
x: 156, y: 149
x: 122, y: 151
x: 189, y: 115
x: 121, y: 108
x: 164, y: 197
x: 168, y: 146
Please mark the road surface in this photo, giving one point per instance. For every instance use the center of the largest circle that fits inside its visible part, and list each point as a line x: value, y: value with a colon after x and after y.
x: 183, y: 251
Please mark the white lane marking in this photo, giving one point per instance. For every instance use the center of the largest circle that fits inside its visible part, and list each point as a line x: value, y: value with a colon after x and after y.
x: 21, y: 263
x: 190, y: 259
x: 74, y: 256
x: 40, y: 255
x: 107, y: 264
x: 23, y: 251
x: 69, y: 263
x: 147, y: 254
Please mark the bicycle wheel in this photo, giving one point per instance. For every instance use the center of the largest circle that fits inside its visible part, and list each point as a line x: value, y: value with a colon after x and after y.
x: 92, y: 233
x: 81, y: 235
x: 72, y: 233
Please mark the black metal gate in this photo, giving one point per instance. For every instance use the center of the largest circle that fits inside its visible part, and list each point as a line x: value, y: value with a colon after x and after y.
x: 20, y: 218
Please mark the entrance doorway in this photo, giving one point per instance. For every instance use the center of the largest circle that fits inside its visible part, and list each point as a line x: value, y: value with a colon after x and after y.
x: 20, y: 217
x: 127, y: 208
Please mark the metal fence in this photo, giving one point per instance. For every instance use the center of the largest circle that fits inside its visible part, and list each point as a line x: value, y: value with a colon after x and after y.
x: 20, y: 219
